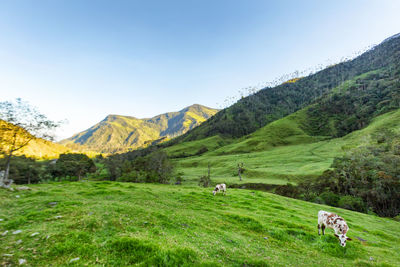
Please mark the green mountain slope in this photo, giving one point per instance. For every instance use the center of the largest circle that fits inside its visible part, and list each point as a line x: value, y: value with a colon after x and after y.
x: 270, y: 104
x: 122, y: 224
x: 118, y: 133
x: 276, y: 154
x: 334, y: 115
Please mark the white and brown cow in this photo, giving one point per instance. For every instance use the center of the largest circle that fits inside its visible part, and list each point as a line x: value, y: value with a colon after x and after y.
x: 220, y: 188
x: 334, y: 221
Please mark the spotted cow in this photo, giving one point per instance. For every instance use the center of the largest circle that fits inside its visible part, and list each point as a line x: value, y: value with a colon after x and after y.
x: 334, y: 221
x: 220, y: 188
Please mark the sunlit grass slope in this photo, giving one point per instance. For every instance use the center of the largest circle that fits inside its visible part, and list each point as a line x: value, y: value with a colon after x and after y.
x: 275, y: 154
x: 121, y: 224
x: 37, y: 148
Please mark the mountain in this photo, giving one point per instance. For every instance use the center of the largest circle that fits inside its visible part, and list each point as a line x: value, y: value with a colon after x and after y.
x: 118, y: 133
x: 270, y: 104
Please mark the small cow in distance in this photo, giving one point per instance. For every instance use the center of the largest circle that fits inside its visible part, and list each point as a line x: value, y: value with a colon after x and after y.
x: 334, y: 221
x: 220, y: 188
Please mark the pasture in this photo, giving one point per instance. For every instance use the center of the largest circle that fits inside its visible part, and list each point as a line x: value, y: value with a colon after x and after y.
x: 124, y: 224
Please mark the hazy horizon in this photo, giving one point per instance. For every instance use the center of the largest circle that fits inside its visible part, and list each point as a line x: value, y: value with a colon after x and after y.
x: 84, y: 60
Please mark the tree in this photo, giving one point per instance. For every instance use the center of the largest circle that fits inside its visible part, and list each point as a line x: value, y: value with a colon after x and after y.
x: 74, y: 164
x: 25, y: 170
x: 205, y: 180
x: 159, y: 163
x: 20, y: 123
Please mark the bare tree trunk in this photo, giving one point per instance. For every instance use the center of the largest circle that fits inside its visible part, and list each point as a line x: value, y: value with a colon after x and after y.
x: 4, y: 181
x: 240, y: 169
x: 7, y: 169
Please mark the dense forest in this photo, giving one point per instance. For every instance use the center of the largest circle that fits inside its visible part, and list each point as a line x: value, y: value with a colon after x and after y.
x: 358, y: 101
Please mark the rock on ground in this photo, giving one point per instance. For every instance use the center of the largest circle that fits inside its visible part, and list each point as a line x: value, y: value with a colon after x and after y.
x: 74, y: 259
x: 20, y: 188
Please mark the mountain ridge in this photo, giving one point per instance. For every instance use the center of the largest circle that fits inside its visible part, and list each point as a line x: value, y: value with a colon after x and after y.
x: 119, y: 133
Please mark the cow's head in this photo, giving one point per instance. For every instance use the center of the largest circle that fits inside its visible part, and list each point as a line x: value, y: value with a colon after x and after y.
x: 342, y: 239
x: 216, y: 190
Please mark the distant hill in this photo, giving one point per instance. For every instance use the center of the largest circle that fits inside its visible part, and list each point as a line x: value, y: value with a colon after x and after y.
x: 40, y: 148
x: 118, y: 133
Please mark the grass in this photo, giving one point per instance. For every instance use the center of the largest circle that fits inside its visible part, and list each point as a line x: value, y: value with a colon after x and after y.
x: 276, y: 154
x: 122, y: 224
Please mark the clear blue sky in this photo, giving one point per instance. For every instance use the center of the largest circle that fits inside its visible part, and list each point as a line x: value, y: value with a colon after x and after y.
x: 82, y: 60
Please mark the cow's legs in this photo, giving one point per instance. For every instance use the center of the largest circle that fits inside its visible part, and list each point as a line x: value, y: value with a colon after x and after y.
x: 319, y: 229
x: 323, y: 229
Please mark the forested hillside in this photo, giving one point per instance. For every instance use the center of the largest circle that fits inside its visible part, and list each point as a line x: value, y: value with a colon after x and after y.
x: 270, y: 104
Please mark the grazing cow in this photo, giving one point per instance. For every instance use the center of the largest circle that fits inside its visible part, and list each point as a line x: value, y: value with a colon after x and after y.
x: 334, y: 221
x: 219, y: 188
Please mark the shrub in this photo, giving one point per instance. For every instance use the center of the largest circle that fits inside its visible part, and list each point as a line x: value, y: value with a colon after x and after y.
x: 205, y: 181
x: 352, y: 203
x: 179, y: 178
x: 152, y: 168
x: 288, y: 190
x: 202, y: 150
x: 330, y: 198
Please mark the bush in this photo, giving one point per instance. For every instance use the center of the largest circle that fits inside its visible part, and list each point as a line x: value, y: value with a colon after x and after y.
x: 288, y: 190
x: 202, y: 150
x: 352, y: 203
x: 179, y: 178
x: 152, y: 168
x: 318, y: 200
x: 330, y: 198
x: 205, y: 181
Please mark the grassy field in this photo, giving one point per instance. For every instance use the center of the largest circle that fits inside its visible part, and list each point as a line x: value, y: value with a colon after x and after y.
x: 122, y: 224
x: 276, y: 154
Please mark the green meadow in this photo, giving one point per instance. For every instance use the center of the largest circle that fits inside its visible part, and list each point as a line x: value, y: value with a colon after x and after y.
x: 124, y: 224
x: 279, y: 153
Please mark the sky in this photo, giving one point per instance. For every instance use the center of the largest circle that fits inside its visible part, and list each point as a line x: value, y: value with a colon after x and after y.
x: 80, y: 60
